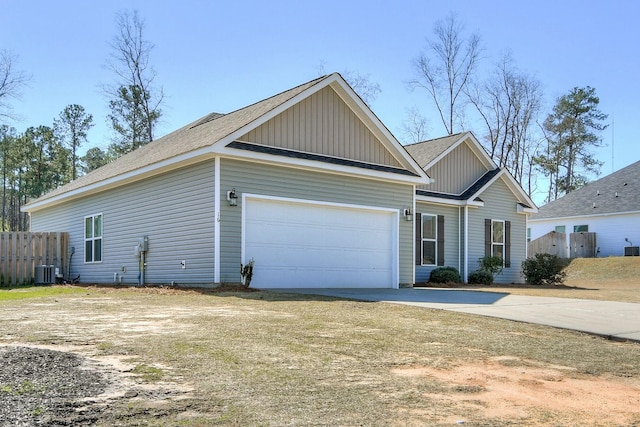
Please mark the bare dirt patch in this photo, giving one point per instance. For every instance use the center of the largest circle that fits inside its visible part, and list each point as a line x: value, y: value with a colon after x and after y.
x: 508, y: 388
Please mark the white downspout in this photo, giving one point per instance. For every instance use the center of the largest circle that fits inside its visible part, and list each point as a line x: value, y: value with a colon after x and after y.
x: 466, y: 244
x: 216, y: 222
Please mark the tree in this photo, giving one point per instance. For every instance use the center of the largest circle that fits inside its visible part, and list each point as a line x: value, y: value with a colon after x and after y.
x: 71, y: 127
x: 509, y: 102
x: 94, y: 158
x: 135, y: 84
x: 11, y: 82
x: 571, y: 130
x: 445, y: 68
x: 360, y: 83
x: 129, y: 120
x: 415, y: 126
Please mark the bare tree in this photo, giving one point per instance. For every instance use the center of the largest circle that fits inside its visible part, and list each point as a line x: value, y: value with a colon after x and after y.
x: 415, y: 127
x: 11, y: 82
x: 129, y: 60
x: 509, y: 103
x: 361, y: 83
x: 446, y: 66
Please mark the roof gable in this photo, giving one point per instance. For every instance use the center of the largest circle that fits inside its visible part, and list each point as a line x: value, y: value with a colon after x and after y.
x: 615, y: 193
x: 323, y: 124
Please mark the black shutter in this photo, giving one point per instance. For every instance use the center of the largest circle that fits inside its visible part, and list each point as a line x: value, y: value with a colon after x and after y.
x: 507, y: 243
x: 418, y: 220
x: 487, y: 237
x: 440, y: 255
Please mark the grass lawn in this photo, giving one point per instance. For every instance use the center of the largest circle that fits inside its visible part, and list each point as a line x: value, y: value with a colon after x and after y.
x: 197, y: 358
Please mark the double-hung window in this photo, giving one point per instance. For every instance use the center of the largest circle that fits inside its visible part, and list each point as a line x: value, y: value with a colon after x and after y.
x: 429, y: 239
x: 497, y: 238
x: 93, y: 238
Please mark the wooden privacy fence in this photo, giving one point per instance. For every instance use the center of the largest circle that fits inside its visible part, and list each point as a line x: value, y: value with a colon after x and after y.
x: 553, y: 243
x: 21, y: 252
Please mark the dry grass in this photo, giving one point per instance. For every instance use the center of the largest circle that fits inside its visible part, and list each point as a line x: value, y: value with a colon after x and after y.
x: 260, y: 358
x: 609, y: 279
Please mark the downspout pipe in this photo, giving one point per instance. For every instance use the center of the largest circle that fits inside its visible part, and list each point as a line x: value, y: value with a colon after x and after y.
x: 466, y: 244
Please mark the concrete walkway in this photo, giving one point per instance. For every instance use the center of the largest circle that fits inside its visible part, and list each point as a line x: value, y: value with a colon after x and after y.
x: 614, y: 320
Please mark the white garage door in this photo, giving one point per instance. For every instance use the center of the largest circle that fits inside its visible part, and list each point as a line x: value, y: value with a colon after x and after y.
x: 298, y: 244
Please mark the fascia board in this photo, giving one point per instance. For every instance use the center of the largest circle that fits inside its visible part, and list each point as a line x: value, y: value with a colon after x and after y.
x: 314, y: 165
x: 448, y: 202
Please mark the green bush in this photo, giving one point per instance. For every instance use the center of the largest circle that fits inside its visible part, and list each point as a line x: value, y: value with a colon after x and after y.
x: 491, y: 264
x: 544, y: 269
x: 480, y: 277
x: 445, y: 275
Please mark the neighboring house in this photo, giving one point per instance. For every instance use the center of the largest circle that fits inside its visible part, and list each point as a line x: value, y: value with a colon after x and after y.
x: 609, y: 207
x: 308, y: 183
x: 472, y: 209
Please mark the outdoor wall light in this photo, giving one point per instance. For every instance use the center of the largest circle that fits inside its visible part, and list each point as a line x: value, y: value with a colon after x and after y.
x: 232, y: 197
x: 408, y: 215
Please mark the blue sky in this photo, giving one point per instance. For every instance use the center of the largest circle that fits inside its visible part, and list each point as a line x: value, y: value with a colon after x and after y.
x: 220, y: 55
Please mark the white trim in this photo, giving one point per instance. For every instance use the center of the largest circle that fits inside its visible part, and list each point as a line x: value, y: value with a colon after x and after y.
x: 315, y: 165
x: 92, y: 239
x: 466, y: 244
x: 216, y: 221
x: 395, y: 265
x: 448, y: 202
x: 434, y: 240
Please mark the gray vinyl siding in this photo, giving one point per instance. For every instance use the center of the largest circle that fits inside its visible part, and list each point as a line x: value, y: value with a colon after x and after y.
x: 456, y: 172
x: 499, y: 204
x: 270, y: 180
x: 323, y: 124
x: 452, y: 245
x: 175, y: 210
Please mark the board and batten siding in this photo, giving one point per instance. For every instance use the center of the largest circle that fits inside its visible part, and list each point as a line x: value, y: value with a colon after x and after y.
x: 323, y: 124
x: 175, y: 210
x: 452, y: 233
x: 271, y: 180
x: 456, y: 172
x: 499, y: 204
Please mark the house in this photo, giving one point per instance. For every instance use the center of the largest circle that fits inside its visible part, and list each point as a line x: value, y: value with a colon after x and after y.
x: 472, y: 209
x: 307, y: 183
x: 608, y: 207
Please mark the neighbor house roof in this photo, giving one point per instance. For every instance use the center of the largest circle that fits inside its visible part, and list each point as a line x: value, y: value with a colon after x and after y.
x: 210, y: 135
x: 615, y: 193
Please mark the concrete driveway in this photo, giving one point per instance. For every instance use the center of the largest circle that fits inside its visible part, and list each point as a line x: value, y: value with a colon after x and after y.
x: 614, y: 320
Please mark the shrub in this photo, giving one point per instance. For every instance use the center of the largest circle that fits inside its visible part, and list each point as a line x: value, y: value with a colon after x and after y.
x: 491, y: 264
x: 444, y: 275
x: 544, y: 269
x: 480, y: 277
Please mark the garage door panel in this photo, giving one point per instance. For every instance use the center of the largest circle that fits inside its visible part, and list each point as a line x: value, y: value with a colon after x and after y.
x: 296, y: 244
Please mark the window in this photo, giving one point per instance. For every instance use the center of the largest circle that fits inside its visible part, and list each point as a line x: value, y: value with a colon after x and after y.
x: 528, y: 234
x: 560, y: 229
x: 93, y: 238
x: 580, y: 228
x: 429, y: 243
x: 429, y: 239
x: 497, y: 238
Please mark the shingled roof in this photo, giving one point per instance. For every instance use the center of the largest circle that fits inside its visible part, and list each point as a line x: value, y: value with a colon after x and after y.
x: 615, y: 193
x: 426, y: 152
